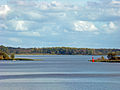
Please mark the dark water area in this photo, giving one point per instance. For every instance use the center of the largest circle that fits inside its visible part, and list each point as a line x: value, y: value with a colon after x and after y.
x: 59, y: 72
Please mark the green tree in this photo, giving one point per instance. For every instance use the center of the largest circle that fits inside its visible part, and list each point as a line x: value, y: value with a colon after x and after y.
x: 3, y: 49
x: 102, y: 58
x: 111, y: 56
x: 1, y: 57
x: 12, y: 56
x: 4, y: 55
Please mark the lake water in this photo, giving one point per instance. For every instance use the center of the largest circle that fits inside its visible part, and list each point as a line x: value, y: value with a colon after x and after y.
x: 59, y: 72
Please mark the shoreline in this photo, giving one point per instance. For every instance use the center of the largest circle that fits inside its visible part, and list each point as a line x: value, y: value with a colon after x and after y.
x: 21, y: 59
x: 56, y: 54
x: 106, y: 60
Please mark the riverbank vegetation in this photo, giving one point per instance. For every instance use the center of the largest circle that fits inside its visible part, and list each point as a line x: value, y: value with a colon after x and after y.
x: 5, y: 56
x: 57, y: 51
x: 112, y: 57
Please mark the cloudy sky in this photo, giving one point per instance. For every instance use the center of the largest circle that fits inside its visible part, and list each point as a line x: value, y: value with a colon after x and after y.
x: 69, y: 23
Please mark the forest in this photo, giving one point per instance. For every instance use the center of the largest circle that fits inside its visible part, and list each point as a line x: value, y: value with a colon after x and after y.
x: 58, y: 50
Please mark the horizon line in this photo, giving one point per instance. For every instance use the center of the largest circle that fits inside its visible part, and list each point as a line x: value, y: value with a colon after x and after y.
x: 58, y: 47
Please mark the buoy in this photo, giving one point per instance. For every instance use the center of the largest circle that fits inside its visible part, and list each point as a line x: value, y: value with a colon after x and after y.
x: 93, y: 59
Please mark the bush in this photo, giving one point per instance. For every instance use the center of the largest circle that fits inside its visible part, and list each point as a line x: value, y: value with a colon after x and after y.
x: 111, y: 55
x: 1, y: 57
x: 12, y: 56
x: 102, y: 58
x: 4, y: 55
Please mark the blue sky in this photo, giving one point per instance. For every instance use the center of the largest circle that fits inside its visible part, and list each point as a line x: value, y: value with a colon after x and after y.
x: 48, y: 23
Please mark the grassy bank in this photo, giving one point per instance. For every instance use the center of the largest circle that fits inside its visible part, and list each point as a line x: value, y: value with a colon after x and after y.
x: 36, y: 54
x: 106, y: 60
x: 22, y: 59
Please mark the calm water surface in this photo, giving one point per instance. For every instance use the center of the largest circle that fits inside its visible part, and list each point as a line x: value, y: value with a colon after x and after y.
x: 59, y: 72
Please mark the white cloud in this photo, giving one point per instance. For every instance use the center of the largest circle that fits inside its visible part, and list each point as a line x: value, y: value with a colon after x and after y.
x: 4, y: 9
x: 35, y: 15
x: 20, y: 26
x: 16, y: 40
x: 20, y: 2
x: 96, y: 33
x: 55, y: 33
x: 42, y: 5
x: 3, y: 26
x: 41, y: 14
x: 66, y: 31
x: 36, y: 34
x: 112, y: 25
x: 55, y: 3
x: 116, y: 2
x: 84, y: 26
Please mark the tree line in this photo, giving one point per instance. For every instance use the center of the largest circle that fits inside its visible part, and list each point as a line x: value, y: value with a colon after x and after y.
x: 58, y: 51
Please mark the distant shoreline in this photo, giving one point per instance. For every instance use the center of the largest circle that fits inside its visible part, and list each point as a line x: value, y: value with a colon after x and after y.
x: 57, y: 51
x: 21, y: 59
x: 58, y: 54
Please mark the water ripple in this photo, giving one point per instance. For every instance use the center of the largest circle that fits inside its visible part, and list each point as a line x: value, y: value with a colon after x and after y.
x: 59, y: 75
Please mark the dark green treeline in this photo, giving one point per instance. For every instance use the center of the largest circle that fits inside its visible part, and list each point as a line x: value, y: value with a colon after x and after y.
x: 58, y: 51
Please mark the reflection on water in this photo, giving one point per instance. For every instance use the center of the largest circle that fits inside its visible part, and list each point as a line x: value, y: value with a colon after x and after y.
x: 59, y: 72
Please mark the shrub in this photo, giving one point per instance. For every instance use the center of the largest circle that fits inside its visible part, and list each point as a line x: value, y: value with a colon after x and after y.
x: 111, y: 55
x: 12, y: 56
x: 102, y: 58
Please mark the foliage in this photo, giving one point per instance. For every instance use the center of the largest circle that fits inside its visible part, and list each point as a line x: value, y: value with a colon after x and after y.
x: 12, y: 56
x: 111, y: 56
x: 4, y: 55
x: 1, y: 57
x: 102, y: 58
x: 3, y: 49
x: 58, y: 51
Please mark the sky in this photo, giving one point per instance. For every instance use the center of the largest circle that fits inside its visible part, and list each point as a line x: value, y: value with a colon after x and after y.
x: 60, y: 23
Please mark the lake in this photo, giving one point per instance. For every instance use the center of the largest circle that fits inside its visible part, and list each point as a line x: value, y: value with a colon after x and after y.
x: 59, y: 72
